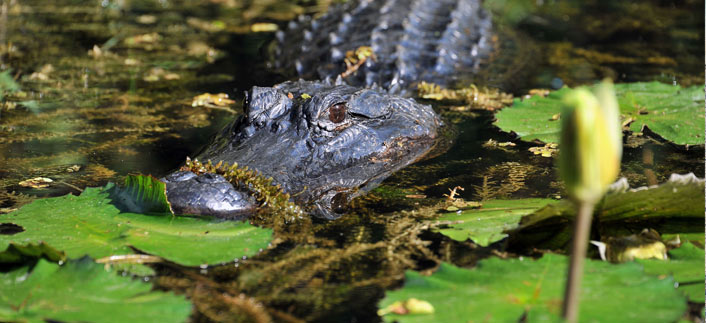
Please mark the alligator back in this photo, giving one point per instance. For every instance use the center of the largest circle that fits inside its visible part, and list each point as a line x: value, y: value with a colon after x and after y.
x: 436, y: 41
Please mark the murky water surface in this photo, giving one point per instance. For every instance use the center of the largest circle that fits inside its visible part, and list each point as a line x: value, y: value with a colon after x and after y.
x: 106, y: 90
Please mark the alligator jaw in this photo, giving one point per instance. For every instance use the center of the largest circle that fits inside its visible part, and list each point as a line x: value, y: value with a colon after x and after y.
x: 207, y: 194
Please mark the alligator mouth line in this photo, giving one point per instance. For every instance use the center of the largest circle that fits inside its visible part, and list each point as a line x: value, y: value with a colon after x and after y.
x: 403, y: 146
x: 442, y: 142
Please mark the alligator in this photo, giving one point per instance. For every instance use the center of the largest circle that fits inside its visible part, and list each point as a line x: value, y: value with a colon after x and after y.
x: 333, y: 138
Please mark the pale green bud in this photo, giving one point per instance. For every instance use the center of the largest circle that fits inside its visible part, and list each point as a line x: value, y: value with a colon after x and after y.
x: 591, y: 142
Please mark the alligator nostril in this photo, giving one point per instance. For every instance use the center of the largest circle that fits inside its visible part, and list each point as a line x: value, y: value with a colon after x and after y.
x: 339, y: 202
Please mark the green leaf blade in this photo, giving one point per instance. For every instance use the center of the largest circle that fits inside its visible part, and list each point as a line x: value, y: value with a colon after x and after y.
x: 82, y: 291
x: 672, y: 112
x: 90, y: 224
x: 488, y: 224
x: 504, y: 290
x: 143, y: 194
x: 531, y: 118
x: 685, y: 264
x: 210, y: 242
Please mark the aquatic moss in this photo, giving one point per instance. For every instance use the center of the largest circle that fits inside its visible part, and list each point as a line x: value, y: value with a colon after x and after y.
x: 476, y: 98
x: 339, y: 266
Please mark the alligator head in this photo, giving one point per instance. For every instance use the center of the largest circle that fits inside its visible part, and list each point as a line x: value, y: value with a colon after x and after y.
x: 324, y: 144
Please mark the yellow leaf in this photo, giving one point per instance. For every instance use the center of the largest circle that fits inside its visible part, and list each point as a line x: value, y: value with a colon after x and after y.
x: 263, y: 27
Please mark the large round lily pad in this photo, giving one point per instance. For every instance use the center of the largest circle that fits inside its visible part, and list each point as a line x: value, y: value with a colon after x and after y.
x: 507, y: 290
x: 82, y: 291
x: 90, y: 224
x: 673, y: 112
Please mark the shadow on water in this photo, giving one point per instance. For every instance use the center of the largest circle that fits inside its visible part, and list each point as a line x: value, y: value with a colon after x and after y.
x: 112, y: 86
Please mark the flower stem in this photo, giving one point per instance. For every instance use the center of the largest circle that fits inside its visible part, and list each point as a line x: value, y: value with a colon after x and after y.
x: 582, y: 228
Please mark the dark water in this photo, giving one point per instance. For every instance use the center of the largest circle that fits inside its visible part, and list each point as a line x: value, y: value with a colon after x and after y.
x: 126, y: 109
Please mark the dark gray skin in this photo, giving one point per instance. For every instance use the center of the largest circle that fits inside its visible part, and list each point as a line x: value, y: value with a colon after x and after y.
x: 439, y: 41
x: 208, y: 194
x: 324, y: 150
x: 344, y: 140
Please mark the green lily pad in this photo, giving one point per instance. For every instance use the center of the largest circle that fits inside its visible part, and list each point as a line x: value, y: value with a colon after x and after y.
x: 143, y: 194
x: 90, y: 224
x: 7, y: 83
x: 23, y: 254
x: 505, y: 290
x: 685, y: 264
x: 17, y: 253
x: 675, y: 206
x: 673, y: 112
x: 489, y: 223
x: 82, y: 291
x: 533, y: 118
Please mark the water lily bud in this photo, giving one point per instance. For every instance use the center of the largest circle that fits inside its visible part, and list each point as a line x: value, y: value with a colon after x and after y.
x: 591, y: 142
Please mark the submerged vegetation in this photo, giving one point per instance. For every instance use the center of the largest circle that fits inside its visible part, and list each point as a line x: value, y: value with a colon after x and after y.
x: 91, y: 92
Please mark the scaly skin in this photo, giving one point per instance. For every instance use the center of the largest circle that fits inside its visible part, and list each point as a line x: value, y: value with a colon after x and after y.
x: 349, y: 136
x: 438, y: 41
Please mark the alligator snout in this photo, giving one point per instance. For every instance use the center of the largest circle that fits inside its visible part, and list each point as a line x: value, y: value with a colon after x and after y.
x: 207, y: 194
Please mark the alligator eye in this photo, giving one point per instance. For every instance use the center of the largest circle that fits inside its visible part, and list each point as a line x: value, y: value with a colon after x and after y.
x: 337, y: 112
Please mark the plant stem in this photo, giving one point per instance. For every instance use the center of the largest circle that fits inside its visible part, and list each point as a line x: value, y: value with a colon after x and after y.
x: 582, y: 228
